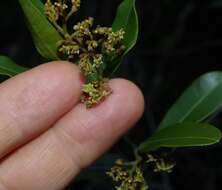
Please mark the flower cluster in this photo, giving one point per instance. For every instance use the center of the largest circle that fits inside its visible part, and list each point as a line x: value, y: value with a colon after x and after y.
x: 88, y: 43
x: 160, y: 165
x: 130, y: 179
x: 57, y: 9
x: 128, y: 175
x: 93, y: 48
x: 94, y: 92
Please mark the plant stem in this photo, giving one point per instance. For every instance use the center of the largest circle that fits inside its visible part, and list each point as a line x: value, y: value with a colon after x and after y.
x: 60, y: 29
x: 73, y: 10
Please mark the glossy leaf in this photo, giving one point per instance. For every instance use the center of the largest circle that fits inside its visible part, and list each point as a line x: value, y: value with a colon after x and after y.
x: 9, y: 67
x: 127, y: 19
x: 182, y: 135
x: 198, y: 102
x: 44, y: 34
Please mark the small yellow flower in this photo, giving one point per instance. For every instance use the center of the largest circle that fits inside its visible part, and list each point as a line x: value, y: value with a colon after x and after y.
x: 51, y: 11
x: 130, y: 179
x: 76, y: 4
x: 83, y: 28
x: 102, y: 30
x: 92, y: 44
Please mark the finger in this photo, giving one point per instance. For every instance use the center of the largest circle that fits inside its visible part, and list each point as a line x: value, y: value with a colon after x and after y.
x: 75, y: 141
x: 33, y: 101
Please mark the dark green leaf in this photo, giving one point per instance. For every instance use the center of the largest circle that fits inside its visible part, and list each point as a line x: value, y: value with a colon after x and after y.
x: 127, y: 19
x: 91, y: 77
x: 44, y: 34
x: 199, y: 101
x: 9, y: 67
x: 182, y: 135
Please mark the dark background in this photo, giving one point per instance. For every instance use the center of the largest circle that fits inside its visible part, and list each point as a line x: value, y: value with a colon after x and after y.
x: 179, y: 40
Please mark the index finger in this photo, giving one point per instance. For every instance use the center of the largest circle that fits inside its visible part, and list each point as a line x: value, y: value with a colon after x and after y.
x: 31, y: 102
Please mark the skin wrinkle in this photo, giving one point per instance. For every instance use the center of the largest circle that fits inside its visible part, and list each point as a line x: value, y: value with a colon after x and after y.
x: 86, y: 120
x: 30, y: 100
x: 8, y: 136
x: 67, y: 161
x: 2, y: 185
x: 36, y: 94
x: 47, y: 153
x: 55, y: 145
x: 11, y: 125
x: 37, y: 97
x: 66, y: 135
x: 66, y: 138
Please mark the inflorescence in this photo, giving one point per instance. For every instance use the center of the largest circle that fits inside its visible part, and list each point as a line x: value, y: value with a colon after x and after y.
x: 130, y: 176
x: 92, y: 47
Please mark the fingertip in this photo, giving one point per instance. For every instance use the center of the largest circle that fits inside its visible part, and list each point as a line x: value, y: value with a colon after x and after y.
x: 33, y: 101
x: 113, y: 117
x: 61, y: 72
x: 62, y: 78
x: 130, y: 96
x: 57, y: 80
x: 63, y: 69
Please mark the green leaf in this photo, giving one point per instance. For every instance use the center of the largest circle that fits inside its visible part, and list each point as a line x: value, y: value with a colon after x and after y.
x: 182, y: 135
x: 127, y: 19
x: 198, y: 102
x: 44, y: 34
x: 9, y: 67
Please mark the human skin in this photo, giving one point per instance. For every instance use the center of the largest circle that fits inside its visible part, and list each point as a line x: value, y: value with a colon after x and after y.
x: 47, y: 137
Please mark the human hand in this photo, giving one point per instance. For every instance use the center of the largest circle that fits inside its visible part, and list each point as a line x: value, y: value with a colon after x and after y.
x: 47, y: 137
